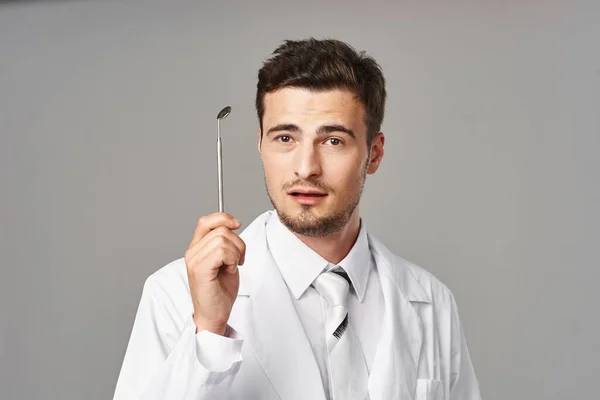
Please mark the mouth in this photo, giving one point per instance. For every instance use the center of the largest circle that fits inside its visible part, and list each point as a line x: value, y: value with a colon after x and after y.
x: 307, y: 197
x: 307, y: 193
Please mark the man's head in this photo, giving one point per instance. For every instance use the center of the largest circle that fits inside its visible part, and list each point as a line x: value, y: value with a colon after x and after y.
x: 320, y: 106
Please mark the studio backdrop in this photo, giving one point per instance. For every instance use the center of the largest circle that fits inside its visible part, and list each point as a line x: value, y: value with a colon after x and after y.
x: 489, y: 180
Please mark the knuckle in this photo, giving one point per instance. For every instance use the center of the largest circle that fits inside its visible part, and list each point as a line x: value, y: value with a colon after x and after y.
x: 221, y: 241
x: 191, y: 264
x: 220, y: 253
x: 221, y: 230
x: 188, y: 255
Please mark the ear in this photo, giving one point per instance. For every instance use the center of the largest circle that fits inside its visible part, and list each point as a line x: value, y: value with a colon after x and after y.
x: 259, y: 139
x: 376, y: 153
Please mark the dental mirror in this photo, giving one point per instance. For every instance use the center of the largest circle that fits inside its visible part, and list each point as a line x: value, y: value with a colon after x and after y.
x: 222, y: 115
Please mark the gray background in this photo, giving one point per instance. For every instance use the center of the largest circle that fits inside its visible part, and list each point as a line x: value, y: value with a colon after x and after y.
x: 490, y: 178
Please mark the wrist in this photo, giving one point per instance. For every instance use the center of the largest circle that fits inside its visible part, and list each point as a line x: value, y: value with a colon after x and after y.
x: 219, y: 329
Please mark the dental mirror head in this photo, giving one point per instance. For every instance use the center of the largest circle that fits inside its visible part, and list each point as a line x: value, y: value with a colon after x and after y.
x: 224, y: 112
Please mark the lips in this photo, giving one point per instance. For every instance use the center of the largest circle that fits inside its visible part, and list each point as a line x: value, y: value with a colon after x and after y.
x: 307, y: 193
x: 307, y: 197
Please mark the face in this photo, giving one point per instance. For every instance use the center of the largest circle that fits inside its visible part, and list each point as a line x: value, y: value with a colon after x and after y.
x: 315, y: 157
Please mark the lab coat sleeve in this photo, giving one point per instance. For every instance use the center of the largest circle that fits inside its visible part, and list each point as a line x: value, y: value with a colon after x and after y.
x: 166, y: 359
x: 463, y: 382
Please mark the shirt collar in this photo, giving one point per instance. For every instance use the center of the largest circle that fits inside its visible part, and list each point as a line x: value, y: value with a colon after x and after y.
x: 357, y: 263
x: 300, y: 265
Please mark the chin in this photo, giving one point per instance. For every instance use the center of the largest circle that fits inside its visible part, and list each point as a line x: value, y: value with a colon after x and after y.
x: 313, y: 221
x: 316, y: 210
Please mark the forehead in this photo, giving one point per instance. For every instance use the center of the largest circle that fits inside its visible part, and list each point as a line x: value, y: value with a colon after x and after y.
x: 305, y: 106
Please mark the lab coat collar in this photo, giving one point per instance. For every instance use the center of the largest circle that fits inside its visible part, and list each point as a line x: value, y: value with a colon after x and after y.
x: 398, y: 270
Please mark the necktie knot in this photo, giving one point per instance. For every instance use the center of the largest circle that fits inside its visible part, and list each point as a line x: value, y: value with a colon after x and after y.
x: 333, y: 286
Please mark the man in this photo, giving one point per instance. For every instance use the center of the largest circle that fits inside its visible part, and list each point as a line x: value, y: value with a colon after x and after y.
x: 304, y: 304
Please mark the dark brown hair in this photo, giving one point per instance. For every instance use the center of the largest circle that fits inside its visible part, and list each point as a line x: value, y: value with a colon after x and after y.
x: 324, y: 65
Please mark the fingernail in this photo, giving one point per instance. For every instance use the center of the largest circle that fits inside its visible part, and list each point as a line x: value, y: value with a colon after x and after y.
x: 237, y: 221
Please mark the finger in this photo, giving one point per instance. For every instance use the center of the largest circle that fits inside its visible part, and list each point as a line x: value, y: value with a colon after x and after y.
x: 233, y: 237
x: 226, y: 233
x: 209, y: 264
x: 209, y: 222
x: 231, y: 269
x: 227, y: 258
x: 214, y: 254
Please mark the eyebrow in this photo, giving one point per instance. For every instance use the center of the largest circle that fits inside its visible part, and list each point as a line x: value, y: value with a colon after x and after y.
x: 322, y: 130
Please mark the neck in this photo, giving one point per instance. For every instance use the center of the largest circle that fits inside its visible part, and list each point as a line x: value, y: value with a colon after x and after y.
x: 335, y: 247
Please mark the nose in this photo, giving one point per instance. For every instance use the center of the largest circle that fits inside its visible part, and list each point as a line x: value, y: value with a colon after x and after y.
x: 307, y: 163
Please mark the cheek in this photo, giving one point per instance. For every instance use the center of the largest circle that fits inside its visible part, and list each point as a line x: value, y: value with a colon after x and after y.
x: 344, y: 176
x: 273, y: 172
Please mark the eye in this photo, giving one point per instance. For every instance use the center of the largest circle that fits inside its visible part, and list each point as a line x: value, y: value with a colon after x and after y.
x: 334, y: 141
x: 283, y: 139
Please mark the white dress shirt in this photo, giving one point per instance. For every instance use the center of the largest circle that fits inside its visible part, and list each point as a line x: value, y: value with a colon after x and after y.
x: 300, y: 266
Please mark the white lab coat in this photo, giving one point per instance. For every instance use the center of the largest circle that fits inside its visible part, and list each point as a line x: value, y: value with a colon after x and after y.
x: 421, y: 355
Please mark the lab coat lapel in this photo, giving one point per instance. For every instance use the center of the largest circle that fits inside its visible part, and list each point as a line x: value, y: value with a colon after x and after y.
x: 394, y: 371
x: 270, y: 324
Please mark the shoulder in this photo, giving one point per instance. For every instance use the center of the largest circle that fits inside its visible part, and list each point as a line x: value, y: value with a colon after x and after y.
x: 169, y: 285
x: 174, y: 273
